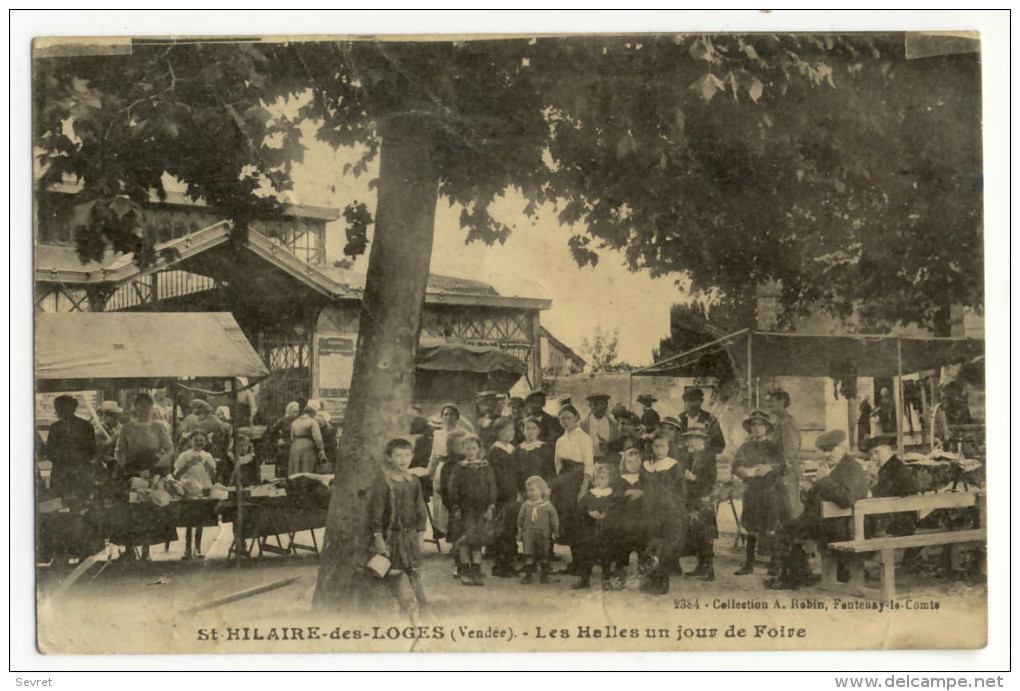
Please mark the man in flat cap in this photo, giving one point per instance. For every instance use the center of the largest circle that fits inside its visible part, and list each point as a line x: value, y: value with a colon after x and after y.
x: 843, y: 486
x: 488, y: 412
x: 550, y: 427
x: 599, y: 426
x: 695, y: 416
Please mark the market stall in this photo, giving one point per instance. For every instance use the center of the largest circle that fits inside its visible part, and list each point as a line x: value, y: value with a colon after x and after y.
x: 759, y: 355
x: 81, y: 351
x: 455, y: 373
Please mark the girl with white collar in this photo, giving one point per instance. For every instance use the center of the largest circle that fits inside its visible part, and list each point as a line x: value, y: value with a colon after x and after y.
x: 665, y: 492
x: 627, y: 514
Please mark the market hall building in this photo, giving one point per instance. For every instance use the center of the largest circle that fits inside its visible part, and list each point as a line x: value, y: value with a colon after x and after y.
x: 300, y: 313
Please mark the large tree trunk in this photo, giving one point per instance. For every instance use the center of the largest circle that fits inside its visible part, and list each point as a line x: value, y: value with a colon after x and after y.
x: 383, y: 380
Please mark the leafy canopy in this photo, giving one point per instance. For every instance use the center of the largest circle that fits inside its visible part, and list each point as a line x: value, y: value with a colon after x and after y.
x: 829, y: 163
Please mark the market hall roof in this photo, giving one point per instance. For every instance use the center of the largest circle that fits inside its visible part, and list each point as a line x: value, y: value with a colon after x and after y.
x: 75, y: 350
x: 202, y: 252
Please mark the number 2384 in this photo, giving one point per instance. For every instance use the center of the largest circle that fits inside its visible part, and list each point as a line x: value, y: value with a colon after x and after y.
x: 686, y: 603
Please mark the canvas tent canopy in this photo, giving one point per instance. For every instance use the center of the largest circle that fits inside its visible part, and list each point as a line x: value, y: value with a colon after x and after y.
x: 75, y: 350
x: 819, y: 355
x: 452, y: 371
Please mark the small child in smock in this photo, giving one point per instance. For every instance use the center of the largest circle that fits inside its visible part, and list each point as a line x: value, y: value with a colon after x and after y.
x: 595, y: 544
x: 198, y: 465
x: 538, y: 525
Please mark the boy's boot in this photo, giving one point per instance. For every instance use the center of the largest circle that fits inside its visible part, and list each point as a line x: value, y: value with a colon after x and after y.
x: 477, y: 577
x: 529, y: 571
x: 584, y: 581
x: 543, y: 572
x: 748, y: 566
x: 466, y: 577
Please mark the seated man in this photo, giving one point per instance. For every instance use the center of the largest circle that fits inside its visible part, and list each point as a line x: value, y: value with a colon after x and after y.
x: 895, y: 479
x: 843, y: 485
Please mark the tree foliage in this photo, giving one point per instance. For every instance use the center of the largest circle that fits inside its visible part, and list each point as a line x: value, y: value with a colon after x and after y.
x: 601, y: 351
x: 830, y: 163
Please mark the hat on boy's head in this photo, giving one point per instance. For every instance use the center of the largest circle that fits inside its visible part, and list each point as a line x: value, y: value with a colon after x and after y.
x: 564, y: 400
x: 436, y: 422
x: 830, y: 440
x: 670, y: 421
x: 598, y: 397
x: 757, y: 416
x: 647, y: 399
x: 65, y: 400
x: 694, y: 395
x: 481, y: 395
x: 695, y: 431
x: 110, y: 407
x: 537, y: 393
x: 199, y: 404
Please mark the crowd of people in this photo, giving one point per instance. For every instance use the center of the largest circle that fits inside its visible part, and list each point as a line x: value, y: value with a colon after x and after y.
x: 92, y: 463
x: 611, y: 485
x: 618, y: 486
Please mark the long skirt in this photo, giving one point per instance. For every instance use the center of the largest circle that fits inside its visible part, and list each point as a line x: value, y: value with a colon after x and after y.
x: 303, y: 456
x: 440, y: 513
x: 564, y: 490
x: 765, y: 507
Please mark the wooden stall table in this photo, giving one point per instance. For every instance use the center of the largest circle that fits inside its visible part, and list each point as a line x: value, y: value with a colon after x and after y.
x: 269, y: 518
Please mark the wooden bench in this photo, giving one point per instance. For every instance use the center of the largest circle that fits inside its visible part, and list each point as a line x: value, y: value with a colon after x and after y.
x: 862, y: 548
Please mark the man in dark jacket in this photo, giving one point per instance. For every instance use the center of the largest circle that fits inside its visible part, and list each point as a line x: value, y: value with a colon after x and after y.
x: 695, y: 416
x: 844, y: 485
x: 70, y: 446
x: 895, y: 479
x: 550, y: 427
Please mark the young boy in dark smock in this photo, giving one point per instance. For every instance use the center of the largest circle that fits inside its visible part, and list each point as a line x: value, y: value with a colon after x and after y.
x: 627, y: 514
x: 397, y: 519
x: 504, y: 466
x: 700, y: 472
x: 594, y: 544
x: 537, y: 527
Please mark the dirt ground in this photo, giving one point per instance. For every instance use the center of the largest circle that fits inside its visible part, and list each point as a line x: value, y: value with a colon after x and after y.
x: 140, y: 608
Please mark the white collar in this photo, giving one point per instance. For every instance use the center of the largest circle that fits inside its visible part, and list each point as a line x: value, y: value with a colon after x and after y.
x: 509, y: 448
x: 632, y: 478
x: 660, y: 465
x: 535, y: 503
x: 529, y: 445
x: 601, y: 491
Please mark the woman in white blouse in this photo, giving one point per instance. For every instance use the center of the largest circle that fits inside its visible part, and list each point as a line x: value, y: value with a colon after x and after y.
x: 575, y: 467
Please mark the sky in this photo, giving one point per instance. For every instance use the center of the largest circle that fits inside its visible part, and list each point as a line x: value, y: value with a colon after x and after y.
x: 534, y: 262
